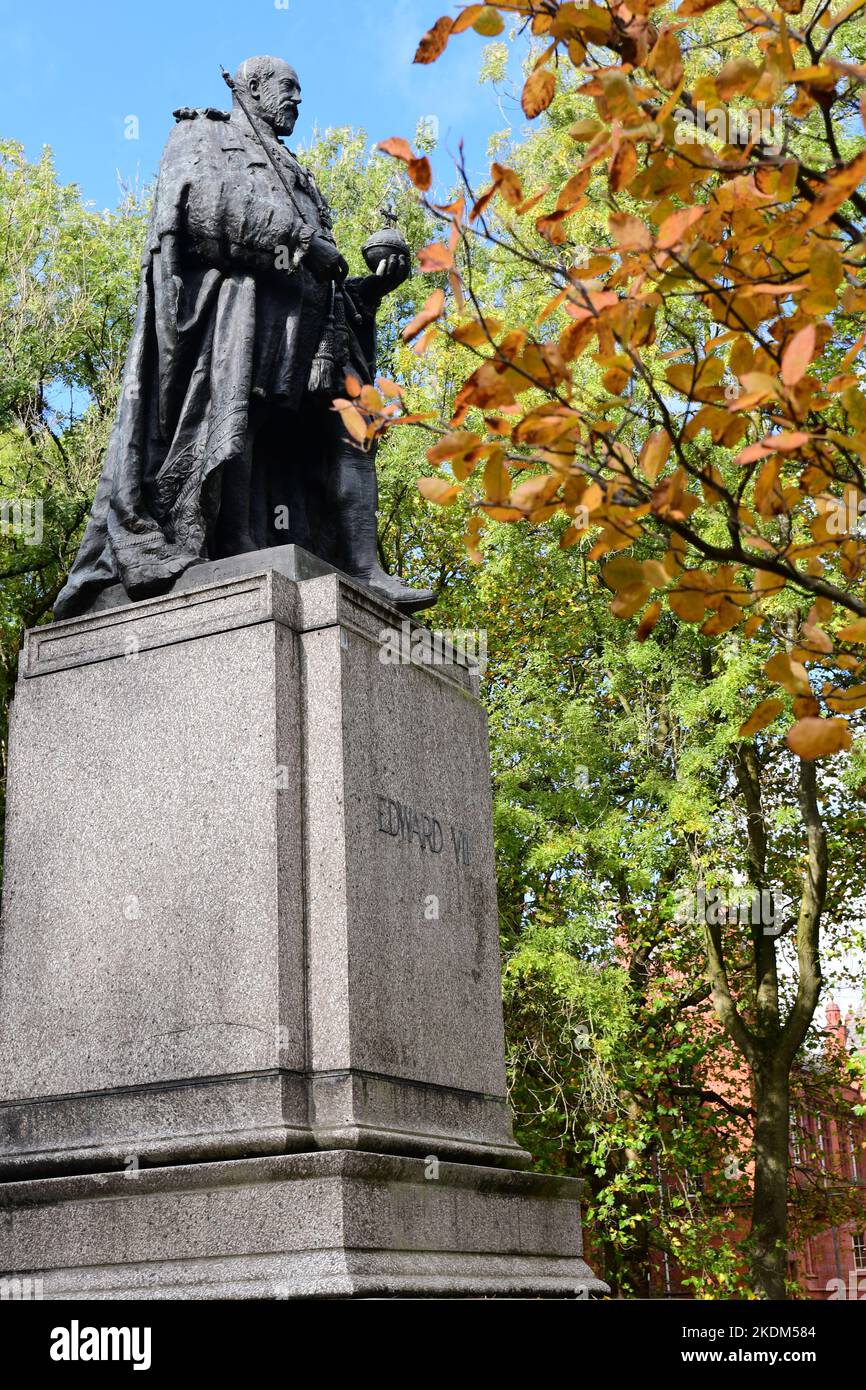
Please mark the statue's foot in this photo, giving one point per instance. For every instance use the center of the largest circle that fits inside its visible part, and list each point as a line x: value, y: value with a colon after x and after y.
x: 395, y: 592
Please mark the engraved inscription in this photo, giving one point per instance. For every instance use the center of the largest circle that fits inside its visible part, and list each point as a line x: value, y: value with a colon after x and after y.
x: 407, y: 823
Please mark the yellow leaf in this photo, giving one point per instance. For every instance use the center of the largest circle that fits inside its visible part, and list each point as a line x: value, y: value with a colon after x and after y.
x: 628, y: 601
x: 474, y: 333
x: 489, y: 22
x: 688, y: 604
x: 654, y: 454
x: 791, y: 675
x: 655, y: 574
x: 665, y: 60
x: 845, y: 701
x: 622, y: 572
x: 726, y: 616
x: 497, y: 480
x: 584, y: 131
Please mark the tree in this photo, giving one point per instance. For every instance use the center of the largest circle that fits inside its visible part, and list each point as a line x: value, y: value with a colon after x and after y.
x: 67, y: 286
x: 709, y: 439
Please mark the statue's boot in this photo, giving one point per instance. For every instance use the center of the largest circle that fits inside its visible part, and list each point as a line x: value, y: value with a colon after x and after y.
x: 355, y: 500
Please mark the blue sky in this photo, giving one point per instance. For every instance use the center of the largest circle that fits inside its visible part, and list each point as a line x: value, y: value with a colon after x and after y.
x: 73, y: 73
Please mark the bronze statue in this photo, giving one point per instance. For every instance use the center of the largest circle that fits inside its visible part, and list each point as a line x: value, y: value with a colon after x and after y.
x: 225, y: 439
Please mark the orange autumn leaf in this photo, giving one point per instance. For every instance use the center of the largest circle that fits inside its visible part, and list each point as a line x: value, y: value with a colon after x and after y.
x: 497, y: 481
x: 353, y: 420
x: 762, y: 715
x: 435, y: 257
x: 507, y: 184
x: 438, y: 490
x: 723, y: 300
x: 467, y: 18
x: 654, y: 454
x: 798, y: 354
x: 813, y: 737
x: 452, y: 445
x: 538, y: 92
x: 665, y: 60
x: 397, y: 147
x: 853, y: 632
x: 629, y: 233
x: 648, y: 621
x: 431, y: 311
x: 434, y: 41
x: 836, y: 191
x: 623, y: 167
x: 674, y: 228
x: 420, y: 173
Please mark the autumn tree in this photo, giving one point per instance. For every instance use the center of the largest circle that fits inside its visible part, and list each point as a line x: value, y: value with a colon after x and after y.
x: 687, y: 393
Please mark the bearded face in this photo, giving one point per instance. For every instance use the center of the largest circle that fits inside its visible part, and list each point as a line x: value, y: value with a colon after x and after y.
x: 276, y: 91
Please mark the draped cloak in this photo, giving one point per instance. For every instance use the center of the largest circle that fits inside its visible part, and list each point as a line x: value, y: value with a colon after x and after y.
x: 227, y: 315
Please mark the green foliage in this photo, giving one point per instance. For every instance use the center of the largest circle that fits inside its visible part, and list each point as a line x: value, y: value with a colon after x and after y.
x: 68, y: 277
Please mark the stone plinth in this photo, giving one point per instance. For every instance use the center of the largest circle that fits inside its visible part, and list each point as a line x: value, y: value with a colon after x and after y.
x: 249, y: 927
x: 250, y: 902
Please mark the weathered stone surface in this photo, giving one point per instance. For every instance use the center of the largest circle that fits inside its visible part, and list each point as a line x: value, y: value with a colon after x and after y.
x: 312, y: 1225
x: 250, y: 899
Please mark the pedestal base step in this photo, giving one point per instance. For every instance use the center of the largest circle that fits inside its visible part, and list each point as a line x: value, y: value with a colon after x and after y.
x: 335, y: 1224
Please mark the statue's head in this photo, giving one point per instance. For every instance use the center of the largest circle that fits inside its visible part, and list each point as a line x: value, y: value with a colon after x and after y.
x: 274, y: 89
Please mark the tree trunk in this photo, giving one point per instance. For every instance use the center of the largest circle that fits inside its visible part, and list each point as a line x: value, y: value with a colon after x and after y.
x: 770, y: 1199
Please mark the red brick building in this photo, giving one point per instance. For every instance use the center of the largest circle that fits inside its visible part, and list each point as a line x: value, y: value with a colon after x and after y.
x: 828, y: 1161
x: 828, y: 1154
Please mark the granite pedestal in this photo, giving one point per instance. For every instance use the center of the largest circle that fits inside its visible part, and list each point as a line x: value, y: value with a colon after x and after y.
x: 249, y: 913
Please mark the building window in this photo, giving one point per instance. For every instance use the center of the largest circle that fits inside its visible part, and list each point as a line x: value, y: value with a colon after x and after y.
x: 819, y: 1140
x: 808, y: 1264
x: 852, y: 1141
x: 692, y: 1186
x: 796, y: 1138
x: 858, y: 1241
